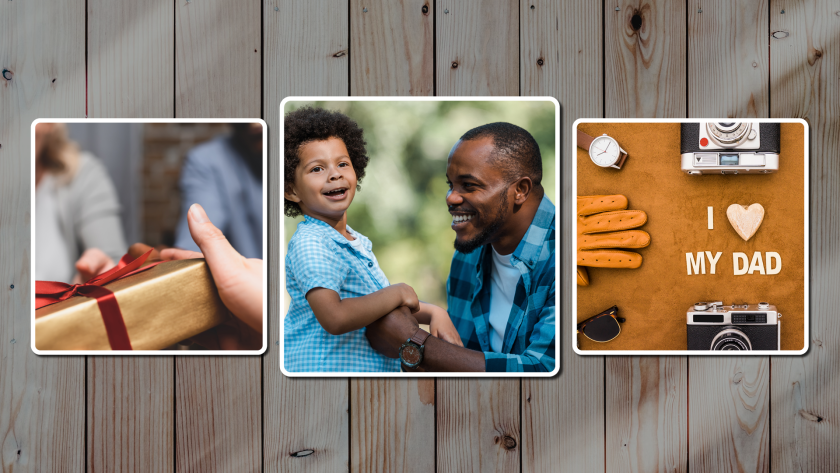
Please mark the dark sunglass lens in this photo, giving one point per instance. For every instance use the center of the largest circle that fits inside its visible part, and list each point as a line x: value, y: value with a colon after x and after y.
x: 602, y: 329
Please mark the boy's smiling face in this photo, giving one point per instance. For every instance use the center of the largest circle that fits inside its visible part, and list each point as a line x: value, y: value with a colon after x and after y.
x: 325, y: 182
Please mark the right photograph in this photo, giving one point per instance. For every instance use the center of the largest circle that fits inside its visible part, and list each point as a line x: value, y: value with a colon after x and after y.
x: 690, y: 236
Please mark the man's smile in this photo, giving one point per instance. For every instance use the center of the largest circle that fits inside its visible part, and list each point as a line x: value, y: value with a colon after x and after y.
x: 460, y: 218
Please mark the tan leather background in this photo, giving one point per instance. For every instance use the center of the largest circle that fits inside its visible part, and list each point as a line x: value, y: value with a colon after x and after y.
x: 654, y: 298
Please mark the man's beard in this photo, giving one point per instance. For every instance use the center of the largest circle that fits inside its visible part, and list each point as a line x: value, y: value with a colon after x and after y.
x: 484, y: 235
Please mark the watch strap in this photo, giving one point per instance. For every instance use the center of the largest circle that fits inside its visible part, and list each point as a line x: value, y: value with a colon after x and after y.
x: 621, y: 158
x: 583, y: 140
x: 420, y: 337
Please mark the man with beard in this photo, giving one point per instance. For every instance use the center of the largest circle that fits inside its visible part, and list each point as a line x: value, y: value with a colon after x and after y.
x: 224, y: 176
x: 501, y: 286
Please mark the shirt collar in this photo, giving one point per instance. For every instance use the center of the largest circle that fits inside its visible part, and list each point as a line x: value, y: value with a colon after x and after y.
x: 333, y: 233
x: 529, y: 248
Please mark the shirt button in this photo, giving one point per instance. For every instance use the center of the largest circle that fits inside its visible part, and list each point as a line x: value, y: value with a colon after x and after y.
x: 370, y: 264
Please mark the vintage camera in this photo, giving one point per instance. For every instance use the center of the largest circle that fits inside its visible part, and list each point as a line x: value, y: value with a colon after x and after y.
x: 739, y: 327
x: 730, y: 147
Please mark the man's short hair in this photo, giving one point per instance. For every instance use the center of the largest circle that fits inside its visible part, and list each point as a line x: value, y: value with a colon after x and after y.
x: 309, y: 124
x: 517, y: 153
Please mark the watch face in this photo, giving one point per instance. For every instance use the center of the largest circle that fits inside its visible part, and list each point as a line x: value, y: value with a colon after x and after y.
x: 410, y: 355
x: 604, y: 151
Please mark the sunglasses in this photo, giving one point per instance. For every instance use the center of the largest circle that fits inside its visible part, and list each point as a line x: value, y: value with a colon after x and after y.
x: 602, y: 327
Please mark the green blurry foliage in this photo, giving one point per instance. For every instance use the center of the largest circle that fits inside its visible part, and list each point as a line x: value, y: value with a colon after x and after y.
x: 401, y: 206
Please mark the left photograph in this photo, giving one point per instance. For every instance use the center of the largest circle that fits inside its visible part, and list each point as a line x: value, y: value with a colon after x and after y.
x: 148, y: 236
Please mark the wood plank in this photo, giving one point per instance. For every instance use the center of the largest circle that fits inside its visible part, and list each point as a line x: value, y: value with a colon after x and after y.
x: 645, y: 51
x: 477, y: 47
x: 130, y: 58
x: 131, y: 399
x: 392, y: 421
x: 217, y: 59
x: 129, y: 416
x: 646, y: 397
x: 646, y: 410
x: 217, y: 414
x: 392, y: 44
x: 569, y: 41
x: 727, y: 44
x: 478, y: 425
x: 302, y: 58
x: 218, y: 400
x: 392, y: 424
x: 729, y: 414
x: 43, y: 75
x: 478, y: 419
x: 803, y: 77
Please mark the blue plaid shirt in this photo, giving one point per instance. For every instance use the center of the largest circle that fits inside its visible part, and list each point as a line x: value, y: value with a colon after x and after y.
x: 319, y: 256
x: 529, y: 342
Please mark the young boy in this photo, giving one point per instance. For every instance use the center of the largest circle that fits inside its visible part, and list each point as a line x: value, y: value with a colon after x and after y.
x: 333, y: 278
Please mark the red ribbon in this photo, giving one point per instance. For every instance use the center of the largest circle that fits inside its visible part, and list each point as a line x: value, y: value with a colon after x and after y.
x: 50, y: 292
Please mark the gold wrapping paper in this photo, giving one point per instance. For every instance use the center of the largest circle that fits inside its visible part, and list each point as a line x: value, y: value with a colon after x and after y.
x: 161, y: 306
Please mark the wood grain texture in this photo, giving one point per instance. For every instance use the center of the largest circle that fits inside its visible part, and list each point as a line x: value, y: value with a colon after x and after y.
x: 42, y: 60
x: 217, y: 414
x: 569, y: 41
x: 728, y: 59
x: 392, y: 47
x: 130, y: 74
x: 646, y: 412
x: 477, y: 47
x: 129, y: 416
x: 645, y: 52
x: 478, y: 425
x: 392, y: 425
x: 217, y: 59
x: 300, y: 415
x: 727, y: 42
x: 728, y: 414
x: 130, y: 58
x: 804, y: 70
x: 218, y: 400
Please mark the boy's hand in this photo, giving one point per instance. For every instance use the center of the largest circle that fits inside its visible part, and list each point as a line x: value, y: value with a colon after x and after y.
x: 441, y: 327
x: 409, y: 297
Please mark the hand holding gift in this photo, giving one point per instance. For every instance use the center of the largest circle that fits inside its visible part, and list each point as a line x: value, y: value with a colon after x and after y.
x: 603, y: 224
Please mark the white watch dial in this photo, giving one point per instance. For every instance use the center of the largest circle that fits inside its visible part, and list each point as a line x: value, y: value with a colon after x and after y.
x: 604, y: 151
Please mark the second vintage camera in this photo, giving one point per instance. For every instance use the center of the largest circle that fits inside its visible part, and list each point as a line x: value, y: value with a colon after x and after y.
x: 729, y: 147
x: 738, y: 327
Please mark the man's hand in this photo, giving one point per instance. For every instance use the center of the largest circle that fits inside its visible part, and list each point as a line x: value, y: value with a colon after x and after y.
x: 93, y: 262
x: 387, y: 334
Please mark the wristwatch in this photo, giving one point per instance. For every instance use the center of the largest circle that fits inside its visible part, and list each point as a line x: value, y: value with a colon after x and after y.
x: 411, y: 352
x: 603, y: 150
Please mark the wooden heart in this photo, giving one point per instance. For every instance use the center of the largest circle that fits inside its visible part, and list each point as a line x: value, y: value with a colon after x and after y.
x: 745, y: 220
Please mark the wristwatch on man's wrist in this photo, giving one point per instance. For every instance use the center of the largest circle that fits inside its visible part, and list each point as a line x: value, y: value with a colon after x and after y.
x: 603, y: 150
x: 411, y: 352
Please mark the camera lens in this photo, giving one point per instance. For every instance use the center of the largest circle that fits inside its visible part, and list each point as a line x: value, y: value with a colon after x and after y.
x: 730, y: 338
x: 728, y: 134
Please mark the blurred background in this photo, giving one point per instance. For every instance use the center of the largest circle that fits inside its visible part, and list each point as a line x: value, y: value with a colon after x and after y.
x: 401, y: 206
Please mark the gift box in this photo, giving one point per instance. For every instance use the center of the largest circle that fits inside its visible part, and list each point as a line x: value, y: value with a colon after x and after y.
x: 157, y: 306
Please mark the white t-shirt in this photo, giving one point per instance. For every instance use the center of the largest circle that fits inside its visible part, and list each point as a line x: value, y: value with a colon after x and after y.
x: 503, y: 280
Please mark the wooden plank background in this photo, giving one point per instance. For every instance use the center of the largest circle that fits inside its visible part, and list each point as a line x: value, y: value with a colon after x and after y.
x: 228, y: 58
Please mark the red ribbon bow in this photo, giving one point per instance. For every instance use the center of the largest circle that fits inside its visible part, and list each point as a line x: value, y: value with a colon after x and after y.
x: 50, y: 292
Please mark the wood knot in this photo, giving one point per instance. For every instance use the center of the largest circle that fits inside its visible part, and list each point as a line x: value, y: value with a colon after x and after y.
x: 818, y: 342
x: 7, y: 74
x: 738, y: 377
x: 509, y: 442
x: 454, y: 65
x: 636, y: 21
x: 302, y: 453
x: 780, y: 34
x: 340, y: 54
x: 425, y: 9
x: 532, y: 7
x: 540, y: 62
x: 809, y: 416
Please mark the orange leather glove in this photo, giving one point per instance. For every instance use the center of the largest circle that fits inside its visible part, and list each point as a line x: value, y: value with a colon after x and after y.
x: 603, y: 224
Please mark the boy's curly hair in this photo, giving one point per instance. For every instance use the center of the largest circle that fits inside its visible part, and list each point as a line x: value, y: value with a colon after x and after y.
x: 316, y: 124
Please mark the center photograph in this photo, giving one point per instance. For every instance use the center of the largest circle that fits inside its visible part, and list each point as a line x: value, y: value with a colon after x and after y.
x: 419, y: 237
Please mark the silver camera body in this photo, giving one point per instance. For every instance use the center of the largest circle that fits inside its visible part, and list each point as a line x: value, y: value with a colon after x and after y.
x: 729, y: 147
x: 713, y: 326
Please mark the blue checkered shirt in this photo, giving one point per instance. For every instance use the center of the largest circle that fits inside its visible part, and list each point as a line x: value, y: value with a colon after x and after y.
x: 530, y: 335
x: 319, y: 256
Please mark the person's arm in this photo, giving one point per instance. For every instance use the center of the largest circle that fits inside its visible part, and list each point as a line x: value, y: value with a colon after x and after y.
x: 440, y: 325
x: 198, y: 186
x: 388, y: 333
x: 339, y: 316
x: 97, y: 209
